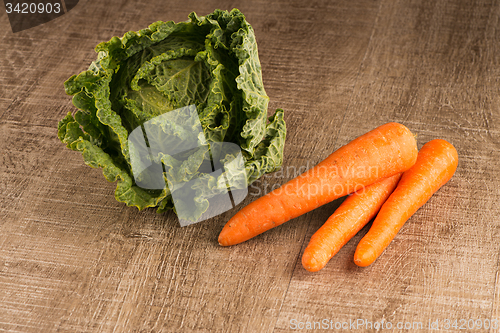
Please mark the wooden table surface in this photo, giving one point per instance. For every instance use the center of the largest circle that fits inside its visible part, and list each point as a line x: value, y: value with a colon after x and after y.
x: 73, y: 259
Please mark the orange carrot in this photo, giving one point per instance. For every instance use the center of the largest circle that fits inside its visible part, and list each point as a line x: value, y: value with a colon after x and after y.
x: 436, y: 164
x: 380, y: 153
x: 351, y: 216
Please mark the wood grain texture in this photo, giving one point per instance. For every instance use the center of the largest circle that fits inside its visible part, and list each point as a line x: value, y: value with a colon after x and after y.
x: 72, y: 259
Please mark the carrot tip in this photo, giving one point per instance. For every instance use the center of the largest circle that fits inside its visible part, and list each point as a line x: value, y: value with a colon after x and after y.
x: 311, y: 268
x: 310, y: 263
x: 360, y: 263
x: 222, y: 241
x: 364, y: 259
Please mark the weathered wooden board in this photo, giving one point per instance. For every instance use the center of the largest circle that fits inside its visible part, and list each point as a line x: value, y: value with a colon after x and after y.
x: 73, y: 259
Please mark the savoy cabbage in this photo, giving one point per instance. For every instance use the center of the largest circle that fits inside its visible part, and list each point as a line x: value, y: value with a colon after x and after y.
x: 210, y: 62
